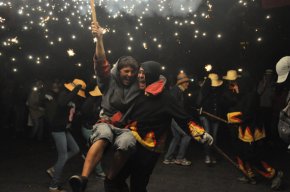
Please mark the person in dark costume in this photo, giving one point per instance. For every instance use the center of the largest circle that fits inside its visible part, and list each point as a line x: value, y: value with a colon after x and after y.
x: 241, y: 98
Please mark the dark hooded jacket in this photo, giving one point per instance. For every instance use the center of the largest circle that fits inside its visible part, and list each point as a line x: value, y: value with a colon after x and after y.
x: 153, y: 111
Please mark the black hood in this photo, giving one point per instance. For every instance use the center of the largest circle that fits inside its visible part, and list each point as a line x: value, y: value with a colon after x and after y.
x: 152, y: 71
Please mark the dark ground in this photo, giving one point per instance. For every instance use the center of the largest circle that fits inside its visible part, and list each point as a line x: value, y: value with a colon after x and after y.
x: 23, y: 164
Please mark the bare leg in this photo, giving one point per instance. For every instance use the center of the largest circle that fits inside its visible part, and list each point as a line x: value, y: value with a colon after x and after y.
x: 119, y: 160
x: 93, y: 157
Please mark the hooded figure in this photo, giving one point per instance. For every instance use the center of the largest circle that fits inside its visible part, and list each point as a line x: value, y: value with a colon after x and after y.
x: 152, y: 71
x: 151, y: 117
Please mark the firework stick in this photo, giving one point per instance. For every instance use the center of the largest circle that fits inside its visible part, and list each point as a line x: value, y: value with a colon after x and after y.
x: 213, y: 116
x: 94, y: 15
x: 231, y: 161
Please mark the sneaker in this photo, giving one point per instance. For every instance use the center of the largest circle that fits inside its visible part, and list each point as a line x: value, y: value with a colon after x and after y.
x: 207, y: 160
x: 56, y: 189
x: 101, y: 176
x: 78, y: 183
x: 183, y: 162
x: 50, y: 172
x: 169, y: 161
x: 244, y: 179
x: 277, y: 181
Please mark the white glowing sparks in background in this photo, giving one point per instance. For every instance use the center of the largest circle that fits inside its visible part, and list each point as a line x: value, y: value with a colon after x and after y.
x: 13, y: 40
x: 71, y: 52
x: 2, y: 20
x: 64, y: 28
x: 208, y: 67
x: 48, y: 16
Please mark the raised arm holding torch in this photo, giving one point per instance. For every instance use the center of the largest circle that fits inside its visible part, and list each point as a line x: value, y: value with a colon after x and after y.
x: 98, y: 32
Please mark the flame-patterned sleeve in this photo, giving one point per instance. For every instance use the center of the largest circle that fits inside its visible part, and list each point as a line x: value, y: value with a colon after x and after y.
x: 196, y: 131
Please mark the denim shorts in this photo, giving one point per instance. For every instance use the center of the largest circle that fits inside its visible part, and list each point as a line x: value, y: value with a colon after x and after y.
x: 120, y: 139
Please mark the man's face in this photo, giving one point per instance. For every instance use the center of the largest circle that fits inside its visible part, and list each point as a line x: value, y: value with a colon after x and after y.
x: 185, y: 85
x: 127, y: 75
x: 141, y: 79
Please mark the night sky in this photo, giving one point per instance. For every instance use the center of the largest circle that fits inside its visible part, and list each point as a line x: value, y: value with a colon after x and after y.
x: 46, y: 39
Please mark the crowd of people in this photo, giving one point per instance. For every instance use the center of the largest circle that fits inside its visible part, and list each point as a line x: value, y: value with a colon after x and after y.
x: 128, y: 114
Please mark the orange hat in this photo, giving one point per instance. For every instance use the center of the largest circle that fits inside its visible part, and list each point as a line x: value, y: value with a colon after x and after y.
x: 72, y: 85
x: 96, y: 92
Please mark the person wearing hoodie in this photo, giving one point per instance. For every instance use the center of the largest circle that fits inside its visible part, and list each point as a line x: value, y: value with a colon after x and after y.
x: 150, y: 120
x: 120, y: 88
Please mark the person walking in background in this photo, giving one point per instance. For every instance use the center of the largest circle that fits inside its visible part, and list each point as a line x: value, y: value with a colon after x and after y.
x: 35, y: 105
x: 59, y: 116
x: 209, y: 100
x: 180, y: 138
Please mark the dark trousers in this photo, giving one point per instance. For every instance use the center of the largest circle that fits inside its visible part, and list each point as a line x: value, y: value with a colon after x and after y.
x: 139, y: 167
x: 253, y: 158
x: 265, y: 120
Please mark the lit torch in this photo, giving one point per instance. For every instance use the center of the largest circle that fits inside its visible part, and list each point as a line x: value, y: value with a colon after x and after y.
x: 94, y: 15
